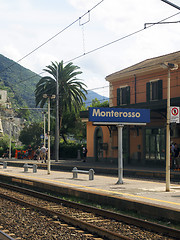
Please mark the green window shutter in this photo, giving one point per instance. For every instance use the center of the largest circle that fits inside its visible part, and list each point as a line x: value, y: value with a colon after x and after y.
x: 118, y: 96
x: 160, y: 89
x: 128, y: 95
x: 148, y: 91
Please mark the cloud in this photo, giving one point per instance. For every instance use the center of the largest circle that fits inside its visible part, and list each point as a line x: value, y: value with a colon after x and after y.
x: 26, y: 24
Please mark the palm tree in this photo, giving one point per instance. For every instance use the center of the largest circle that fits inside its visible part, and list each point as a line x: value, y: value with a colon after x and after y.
x: 71, y: 89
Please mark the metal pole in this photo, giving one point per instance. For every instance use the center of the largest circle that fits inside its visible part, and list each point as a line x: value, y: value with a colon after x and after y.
x: 120, y: 155
x: 168, y: 135
x: 44, y: 128
x: 57, y: 119
x: 48, y: 135
x: 10, y: 136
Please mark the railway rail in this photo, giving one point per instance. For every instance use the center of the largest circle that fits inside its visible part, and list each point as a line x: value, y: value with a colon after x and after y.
x: 105, y: 224
x: 5, y: 236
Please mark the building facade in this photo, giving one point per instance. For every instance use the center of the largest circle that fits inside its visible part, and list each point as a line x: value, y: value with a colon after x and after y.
x: 143, y: 85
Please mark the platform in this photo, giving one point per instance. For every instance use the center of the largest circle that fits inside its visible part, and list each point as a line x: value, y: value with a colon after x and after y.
x: 103, y: 168
x: 144, y: 192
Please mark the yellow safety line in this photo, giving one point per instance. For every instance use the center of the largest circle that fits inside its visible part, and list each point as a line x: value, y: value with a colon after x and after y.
x: 102, y: 190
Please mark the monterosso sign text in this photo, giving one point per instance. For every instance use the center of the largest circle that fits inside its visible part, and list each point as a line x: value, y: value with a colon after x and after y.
x: 119, y: 115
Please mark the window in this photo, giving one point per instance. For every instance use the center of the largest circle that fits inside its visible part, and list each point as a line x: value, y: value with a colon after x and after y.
x: 123, y: 96
x: 154, y: 90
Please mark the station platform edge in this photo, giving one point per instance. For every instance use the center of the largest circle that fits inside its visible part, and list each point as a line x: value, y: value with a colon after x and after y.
x: 143, y: 196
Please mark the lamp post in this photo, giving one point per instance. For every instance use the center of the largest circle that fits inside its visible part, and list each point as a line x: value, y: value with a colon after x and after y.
x: 168, y: 66
x: 10, y: 135
x: 49, y: 97
x: 44, y: 113
x: 57, y: 118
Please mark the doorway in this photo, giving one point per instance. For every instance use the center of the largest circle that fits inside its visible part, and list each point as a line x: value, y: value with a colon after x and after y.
x: 155, y: 144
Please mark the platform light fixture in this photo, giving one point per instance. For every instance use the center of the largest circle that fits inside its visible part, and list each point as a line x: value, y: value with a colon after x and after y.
x: 57, y: 117
x: 169, y: 67
x: 49, y: 97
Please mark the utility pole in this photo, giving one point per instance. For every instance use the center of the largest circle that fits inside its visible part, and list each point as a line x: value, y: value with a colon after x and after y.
x: 57, y: 117
x: 169, y: 67
x: 49, y: 136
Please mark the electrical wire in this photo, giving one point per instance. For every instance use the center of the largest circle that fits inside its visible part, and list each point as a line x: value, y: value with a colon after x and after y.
x: 124, y: 72
x: 119, y: 39
x: 141, y: 84
x: 114, y: 98
x: 96, y: 49
x: 110, y: 43
x: 53, y: 37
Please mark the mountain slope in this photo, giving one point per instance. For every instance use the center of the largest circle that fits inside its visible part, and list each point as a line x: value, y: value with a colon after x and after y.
x: 20, y: 81
x: 92, y: 95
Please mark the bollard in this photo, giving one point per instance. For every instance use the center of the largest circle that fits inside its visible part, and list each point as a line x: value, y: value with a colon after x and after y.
x: 78, y: 155
x: 91, y: 174
x: 25, y: 167
x: 75, y: 173
x: 34, y: 168
x: 4, y: 164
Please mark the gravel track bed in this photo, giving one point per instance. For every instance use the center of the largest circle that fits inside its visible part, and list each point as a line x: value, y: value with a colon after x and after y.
x: 29, y: 224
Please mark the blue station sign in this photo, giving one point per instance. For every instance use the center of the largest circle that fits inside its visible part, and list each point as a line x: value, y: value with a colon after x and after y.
x: 125, y: 115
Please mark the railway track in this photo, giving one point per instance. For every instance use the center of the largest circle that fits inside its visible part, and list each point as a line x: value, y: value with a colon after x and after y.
x: 5, y: 236
x: 105, y: 224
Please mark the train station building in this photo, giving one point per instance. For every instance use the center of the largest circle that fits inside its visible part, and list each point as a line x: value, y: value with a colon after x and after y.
x: 141, y: 86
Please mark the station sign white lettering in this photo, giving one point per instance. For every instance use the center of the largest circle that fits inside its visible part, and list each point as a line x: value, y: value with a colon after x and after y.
x: 119, y: 115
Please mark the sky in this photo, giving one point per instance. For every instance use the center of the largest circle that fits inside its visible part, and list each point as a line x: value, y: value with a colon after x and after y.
x: 43, y: 31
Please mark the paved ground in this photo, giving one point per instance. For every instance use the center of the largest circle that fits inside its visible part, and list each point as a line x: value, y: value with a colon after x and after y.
x: 139, y: 190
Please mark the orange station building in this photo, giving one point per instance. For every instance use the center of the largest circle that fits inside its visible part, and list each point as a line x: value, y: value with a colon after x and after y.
x: 143, y: 85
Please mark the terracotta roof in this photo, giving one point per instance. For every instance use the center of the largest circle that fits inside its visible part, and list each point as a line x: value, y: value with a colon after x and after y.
x: 147, y: 65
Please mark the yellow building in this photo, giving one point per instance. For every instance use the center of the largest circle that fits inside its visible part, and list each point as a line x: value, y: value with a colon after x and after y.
x: 141, y: 86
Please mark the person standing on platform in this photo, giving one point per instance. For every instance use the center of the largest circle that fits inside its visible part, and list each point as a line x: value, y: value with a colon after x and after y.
x: 43, y: 153
x: 84, y: 152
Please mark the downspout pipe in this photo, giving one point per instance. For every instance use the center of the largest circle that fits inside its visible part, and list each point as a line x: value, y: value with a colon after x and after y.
x: 135, y: 87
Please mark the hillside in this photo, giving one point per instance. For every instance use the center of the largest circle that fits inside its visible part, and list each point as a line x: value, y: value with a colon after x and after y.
x: 21, y: 83
x: 92, y: 95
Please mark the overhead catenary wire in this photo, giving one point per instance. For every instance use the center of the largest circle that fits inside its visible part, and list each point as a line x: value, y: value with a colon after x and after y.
x: 54, y: 36
x: 130, y: 82
x: 170, y: 3
x: 112, y: 42
x: 141, y: 83
x: 119, y: 39
x: 93, y: 50
x: 124, y: 72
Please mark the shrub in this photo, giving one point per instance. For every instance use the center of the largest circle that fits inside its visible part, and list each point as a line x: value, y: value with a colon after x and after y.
x: 69, y: 150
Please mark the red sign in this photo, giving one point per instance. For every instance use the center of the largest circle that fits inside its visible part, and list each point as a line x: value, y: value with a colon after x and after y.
x: 175, y: 118
x: 175, y: 111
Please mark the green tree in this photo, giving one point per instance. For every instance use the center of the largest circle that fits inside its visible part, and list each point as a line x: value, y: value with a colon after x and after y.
x: 4, y: 144
x: 71, y: 89
x: 97, y: 103
x: 31, y: 135
x: 72, y: 125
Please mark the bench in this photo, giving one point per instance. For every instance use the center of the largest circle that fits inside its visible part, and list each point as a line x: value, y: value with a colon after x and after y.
x: 75, y: 172
x: 4, y: 164
x: 27, y: 166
